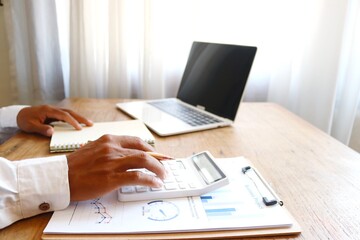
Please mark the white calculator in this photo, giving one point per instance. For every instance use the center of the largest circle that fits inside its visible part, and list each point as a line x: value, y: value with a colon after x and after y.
x: 192, y: 176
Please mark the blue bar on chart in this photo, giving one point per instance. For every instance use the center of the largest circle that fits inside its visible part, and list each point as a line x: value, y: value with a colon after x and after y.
x: 220, y: 212
x: 205, y: 199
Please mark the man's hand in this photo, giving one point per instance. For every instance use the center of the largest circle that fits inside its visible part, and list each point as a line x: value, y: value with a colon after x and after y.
x: 36, y: 119
x: 101, y: 166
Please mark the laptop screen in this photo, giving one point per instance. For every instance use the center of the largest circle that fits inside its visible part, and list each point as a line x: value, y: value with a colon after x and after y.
x: 215, y: 77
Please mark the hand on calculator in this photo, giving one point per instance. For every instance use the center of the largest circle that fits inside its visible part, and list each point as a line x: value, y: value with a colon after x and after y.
x: 191, y: 176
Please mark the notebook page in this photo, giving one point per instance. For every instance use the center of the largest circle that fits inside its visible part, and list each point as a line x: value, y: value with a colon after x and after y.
x: 66, y: 138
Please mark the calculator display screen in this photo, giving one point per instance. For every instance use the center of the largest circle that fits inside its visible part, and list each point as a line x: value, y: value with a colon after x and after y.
x: 207, y: 168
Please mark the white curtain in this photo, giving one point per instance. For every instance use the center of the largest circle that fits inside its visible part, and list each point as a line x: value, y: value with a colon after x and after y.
x: 125, y: 48
x: 346, y: 114
x: 306, y: 60
x: 36, y: 74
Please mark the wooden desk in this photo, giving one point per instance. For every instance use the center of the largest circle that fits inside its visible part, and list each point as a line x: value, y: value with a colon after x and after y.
x: 317, y: 177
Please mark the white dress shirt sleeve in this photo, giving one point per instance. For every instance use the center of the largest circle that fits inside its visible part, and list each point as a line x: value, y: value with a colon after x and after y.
x: 8, y: 116
x: 32, y: 186
x: 8, y: 121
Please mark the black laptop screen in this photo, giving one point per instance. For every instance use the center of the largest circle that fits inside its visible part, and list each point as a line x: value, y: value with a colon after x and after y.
x: 215, y: 77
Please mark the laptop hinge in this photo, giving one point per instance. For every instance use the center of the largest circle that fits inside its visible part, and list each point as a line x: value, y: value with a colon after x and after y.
x: 200, y: 107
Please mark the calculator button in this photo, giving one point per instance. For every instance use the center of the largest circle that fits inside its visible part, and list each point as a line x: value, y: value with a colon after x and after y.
x: 169, y: 180
x: 171, y: 186
x: 179, y: 179
x: 141, y: 189
x: 181, y: 166
x: 176, y: 173
x: 173, y: 167
x: 128, y: 189
x: 192, y: 185
x: 183, y: 185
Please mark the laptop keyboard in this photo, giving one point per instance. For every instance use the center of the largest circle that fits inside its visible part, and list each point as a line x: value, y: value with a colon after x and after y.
x: 184, y: 113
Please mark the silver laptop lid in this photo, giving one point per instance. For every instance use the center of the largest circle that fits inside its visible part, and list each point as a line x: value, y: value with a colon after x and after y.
x: 215, y: 77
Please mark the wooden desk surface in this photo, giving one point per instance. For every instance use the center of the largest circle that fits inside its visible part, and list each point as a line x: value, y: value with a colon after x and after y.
x: 317, y: 177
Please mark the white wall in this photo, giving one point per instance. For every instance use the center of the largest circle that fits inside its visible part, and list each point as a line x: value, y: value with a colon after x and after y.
x: 5, y: 88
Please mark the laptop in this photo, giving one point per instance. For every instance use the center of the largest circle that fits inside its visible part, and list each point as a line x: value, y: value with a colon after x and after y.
x: 209, y: 94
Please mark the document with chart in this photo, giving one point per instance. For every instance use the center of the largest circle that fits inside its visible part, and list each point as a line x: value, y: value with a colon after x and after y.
x: 243, y: 204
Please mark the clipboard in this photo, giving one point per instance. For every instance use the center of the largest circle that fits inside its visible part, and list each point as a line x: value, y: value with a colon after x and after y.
x: 294, y: 230
x: 270, y: 220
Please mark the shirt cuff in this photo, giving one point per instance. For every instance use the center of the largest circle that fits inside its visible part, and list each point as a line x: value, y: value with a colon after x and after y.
x: 43, y: 185
x: 9, y: 114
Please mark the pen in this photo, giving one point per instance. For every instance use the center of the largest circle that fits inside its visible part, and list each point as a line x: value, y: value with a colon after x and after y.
x: 268, y: 200
x: 159, y: 156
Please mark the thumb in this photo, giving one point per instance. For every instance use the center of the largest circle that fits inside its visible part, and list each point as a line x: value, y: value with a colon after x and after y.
x: 44, y: 129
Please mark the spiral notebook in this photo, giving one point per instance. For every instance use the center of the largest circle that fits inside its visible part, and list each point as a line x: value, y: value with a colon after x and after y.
x: 67, y: 139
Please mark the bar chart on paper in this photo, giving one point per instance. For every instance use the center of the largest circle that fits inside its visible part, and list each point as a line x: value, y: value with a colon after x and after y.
x: 216, y: 211
x: 234, y: 202
x: 220, y: 206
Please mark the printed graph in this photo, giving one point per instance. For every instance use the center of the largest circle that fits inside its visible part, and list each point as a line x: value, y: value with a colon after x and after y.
x: 94, y: 211
x: 101, y: 211
x: 215, y: 208
x: 226, y: 203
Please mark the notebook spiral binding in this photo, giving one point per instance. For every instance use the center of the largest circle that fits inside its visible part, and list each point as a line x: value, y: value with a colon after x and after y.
x: 74, y: 146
